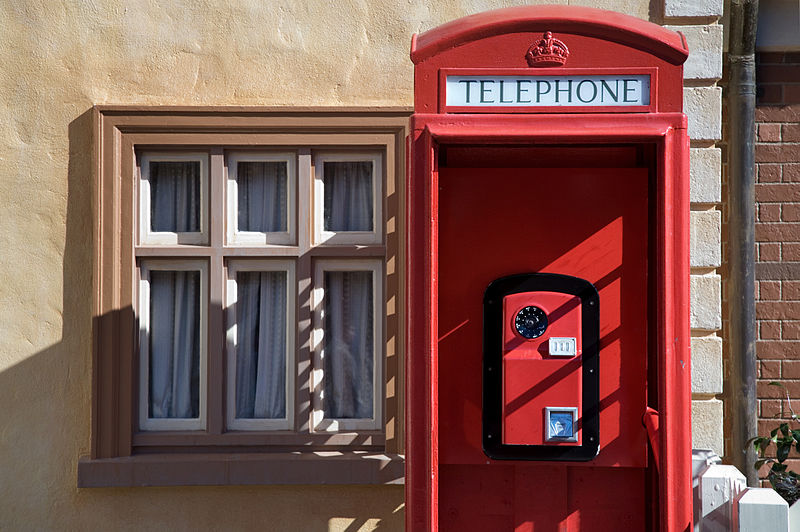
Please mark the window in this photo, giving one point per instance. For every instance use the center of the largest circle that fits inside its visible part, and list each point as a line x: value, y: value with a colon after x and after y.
x: 261, y: 198
x: 260, y: 341
x: 347, y: 343
x: 172, y: 207
x: 260, y: 253
x: 347, y: 194
x: 173, y: 301
x: 247, y: 298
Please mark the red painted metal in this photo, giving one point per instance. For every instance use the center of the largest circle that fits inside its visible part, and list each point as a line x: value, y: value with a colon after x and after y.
x: 500, y: 39
x: 527, y: 364
x: 447, y: 475
x: 586, y: 238
x: 547, y: 52
x: 433, y: 131
x: 650, y: 420
x: 605, y: 25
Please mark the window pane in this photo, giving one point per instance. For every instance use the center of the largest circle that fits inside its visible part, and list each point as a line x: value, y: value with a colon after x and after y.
x: 174, y: 344
x: 348, y: 196
x: 175, y: 196
x: 261, y: 345
x: 262, y: 196
x: 348, y: 344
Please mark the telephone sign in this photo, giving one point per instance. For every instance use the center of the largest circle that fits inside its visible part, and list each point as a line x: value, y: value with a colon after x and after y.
x: 545, y: 91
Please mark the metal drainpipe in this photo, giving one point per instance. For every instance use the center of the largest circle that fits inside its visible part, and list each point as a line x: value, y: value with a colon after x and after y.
x: 741, y: 229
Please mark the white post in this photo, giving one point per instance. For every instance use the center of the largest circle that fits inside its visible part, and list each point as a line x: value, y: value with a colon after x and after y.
x: 760, y: 509
x: 794, y: 517
x: 718, y: 486
x: 701, y: 459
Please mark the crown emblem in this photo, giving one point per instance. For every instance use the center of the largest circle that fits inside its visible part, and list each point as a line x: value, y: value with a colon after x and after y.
x: 547, y: 51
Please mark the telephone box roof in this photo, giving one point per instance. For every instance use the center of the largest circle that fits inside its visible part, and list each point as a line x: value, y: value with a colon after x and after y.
x: 608, y: 25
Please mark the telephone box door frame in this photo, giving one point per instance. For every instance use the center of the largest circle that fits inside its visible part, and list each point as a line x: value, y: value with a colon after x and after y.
x: 667, y: 132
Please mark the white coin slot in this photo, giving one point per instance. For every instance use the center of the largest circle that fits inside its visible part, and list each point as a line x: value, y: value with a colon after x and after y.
x: 562, y: 347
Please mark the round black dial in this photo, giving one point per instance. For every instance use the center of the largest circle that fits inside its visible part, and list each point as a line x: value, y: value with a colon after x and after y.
x: 531, y: 322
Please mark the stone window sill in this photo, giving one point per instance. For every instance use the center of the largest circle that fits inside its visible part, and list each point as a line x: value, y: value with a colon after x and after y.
x: 321, y: 467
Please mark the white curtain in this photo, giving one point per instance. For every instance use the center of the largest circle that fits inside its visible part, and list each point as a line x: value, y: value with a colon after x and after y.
x: 174, y: 344
x: 347, y: 204
x: 175, y: 196
x: 262, y: 196
x: 174, y: 296
x: 348, y: 344
x: 261, y: 345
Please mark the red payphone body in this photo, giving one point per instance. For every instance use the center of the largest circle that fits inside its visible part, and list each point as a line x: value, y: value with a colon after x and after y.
x: 540, y: 368
x: 547, y: 270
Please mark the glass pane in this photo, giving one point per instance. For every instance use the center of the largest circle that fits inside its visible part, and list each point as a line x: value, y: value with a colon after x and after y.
x: 348, y: 196
x: 175, y: 196
x: 261, y: 345
x: 348, y: 345
x: 262, y: 196
x: 174, y: 344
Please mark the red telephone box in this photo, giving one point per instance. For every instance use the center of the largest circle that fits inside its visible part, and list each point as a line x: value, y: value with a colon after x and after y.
x: 548, y: 376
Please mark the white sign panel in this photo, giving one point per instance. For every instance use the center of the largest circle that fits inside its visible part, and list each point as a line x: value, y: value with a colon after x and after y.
x: 561, y: 347
x: 548, y: 91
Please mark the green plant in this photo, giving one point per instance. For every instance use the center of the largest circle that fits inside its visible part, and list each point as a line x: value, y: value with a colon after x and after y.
x: 783, y: 481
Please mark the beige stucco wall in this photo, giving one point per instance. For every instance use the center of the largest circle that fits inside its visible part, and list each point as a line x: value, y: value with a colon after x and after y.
x: 60, y: 58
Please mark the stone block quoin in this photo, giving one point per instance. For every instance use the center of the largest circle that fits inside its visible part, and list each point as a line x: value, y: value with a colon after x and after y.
x: 698, y: 21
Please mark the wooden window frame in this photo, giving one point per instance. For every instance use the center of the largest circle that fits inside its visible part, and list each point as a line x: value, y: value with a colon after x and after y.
x: 122, y: 455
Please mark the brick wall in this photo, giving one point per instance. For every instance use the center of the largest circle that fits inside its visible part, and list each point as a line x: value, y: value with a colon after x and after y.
x: 777, y: 232
x: 778, y: 77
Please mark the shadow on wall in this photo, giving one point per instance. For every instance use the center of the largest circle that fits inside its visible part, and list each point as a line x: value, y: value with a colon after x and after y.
x: 46, y: 418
